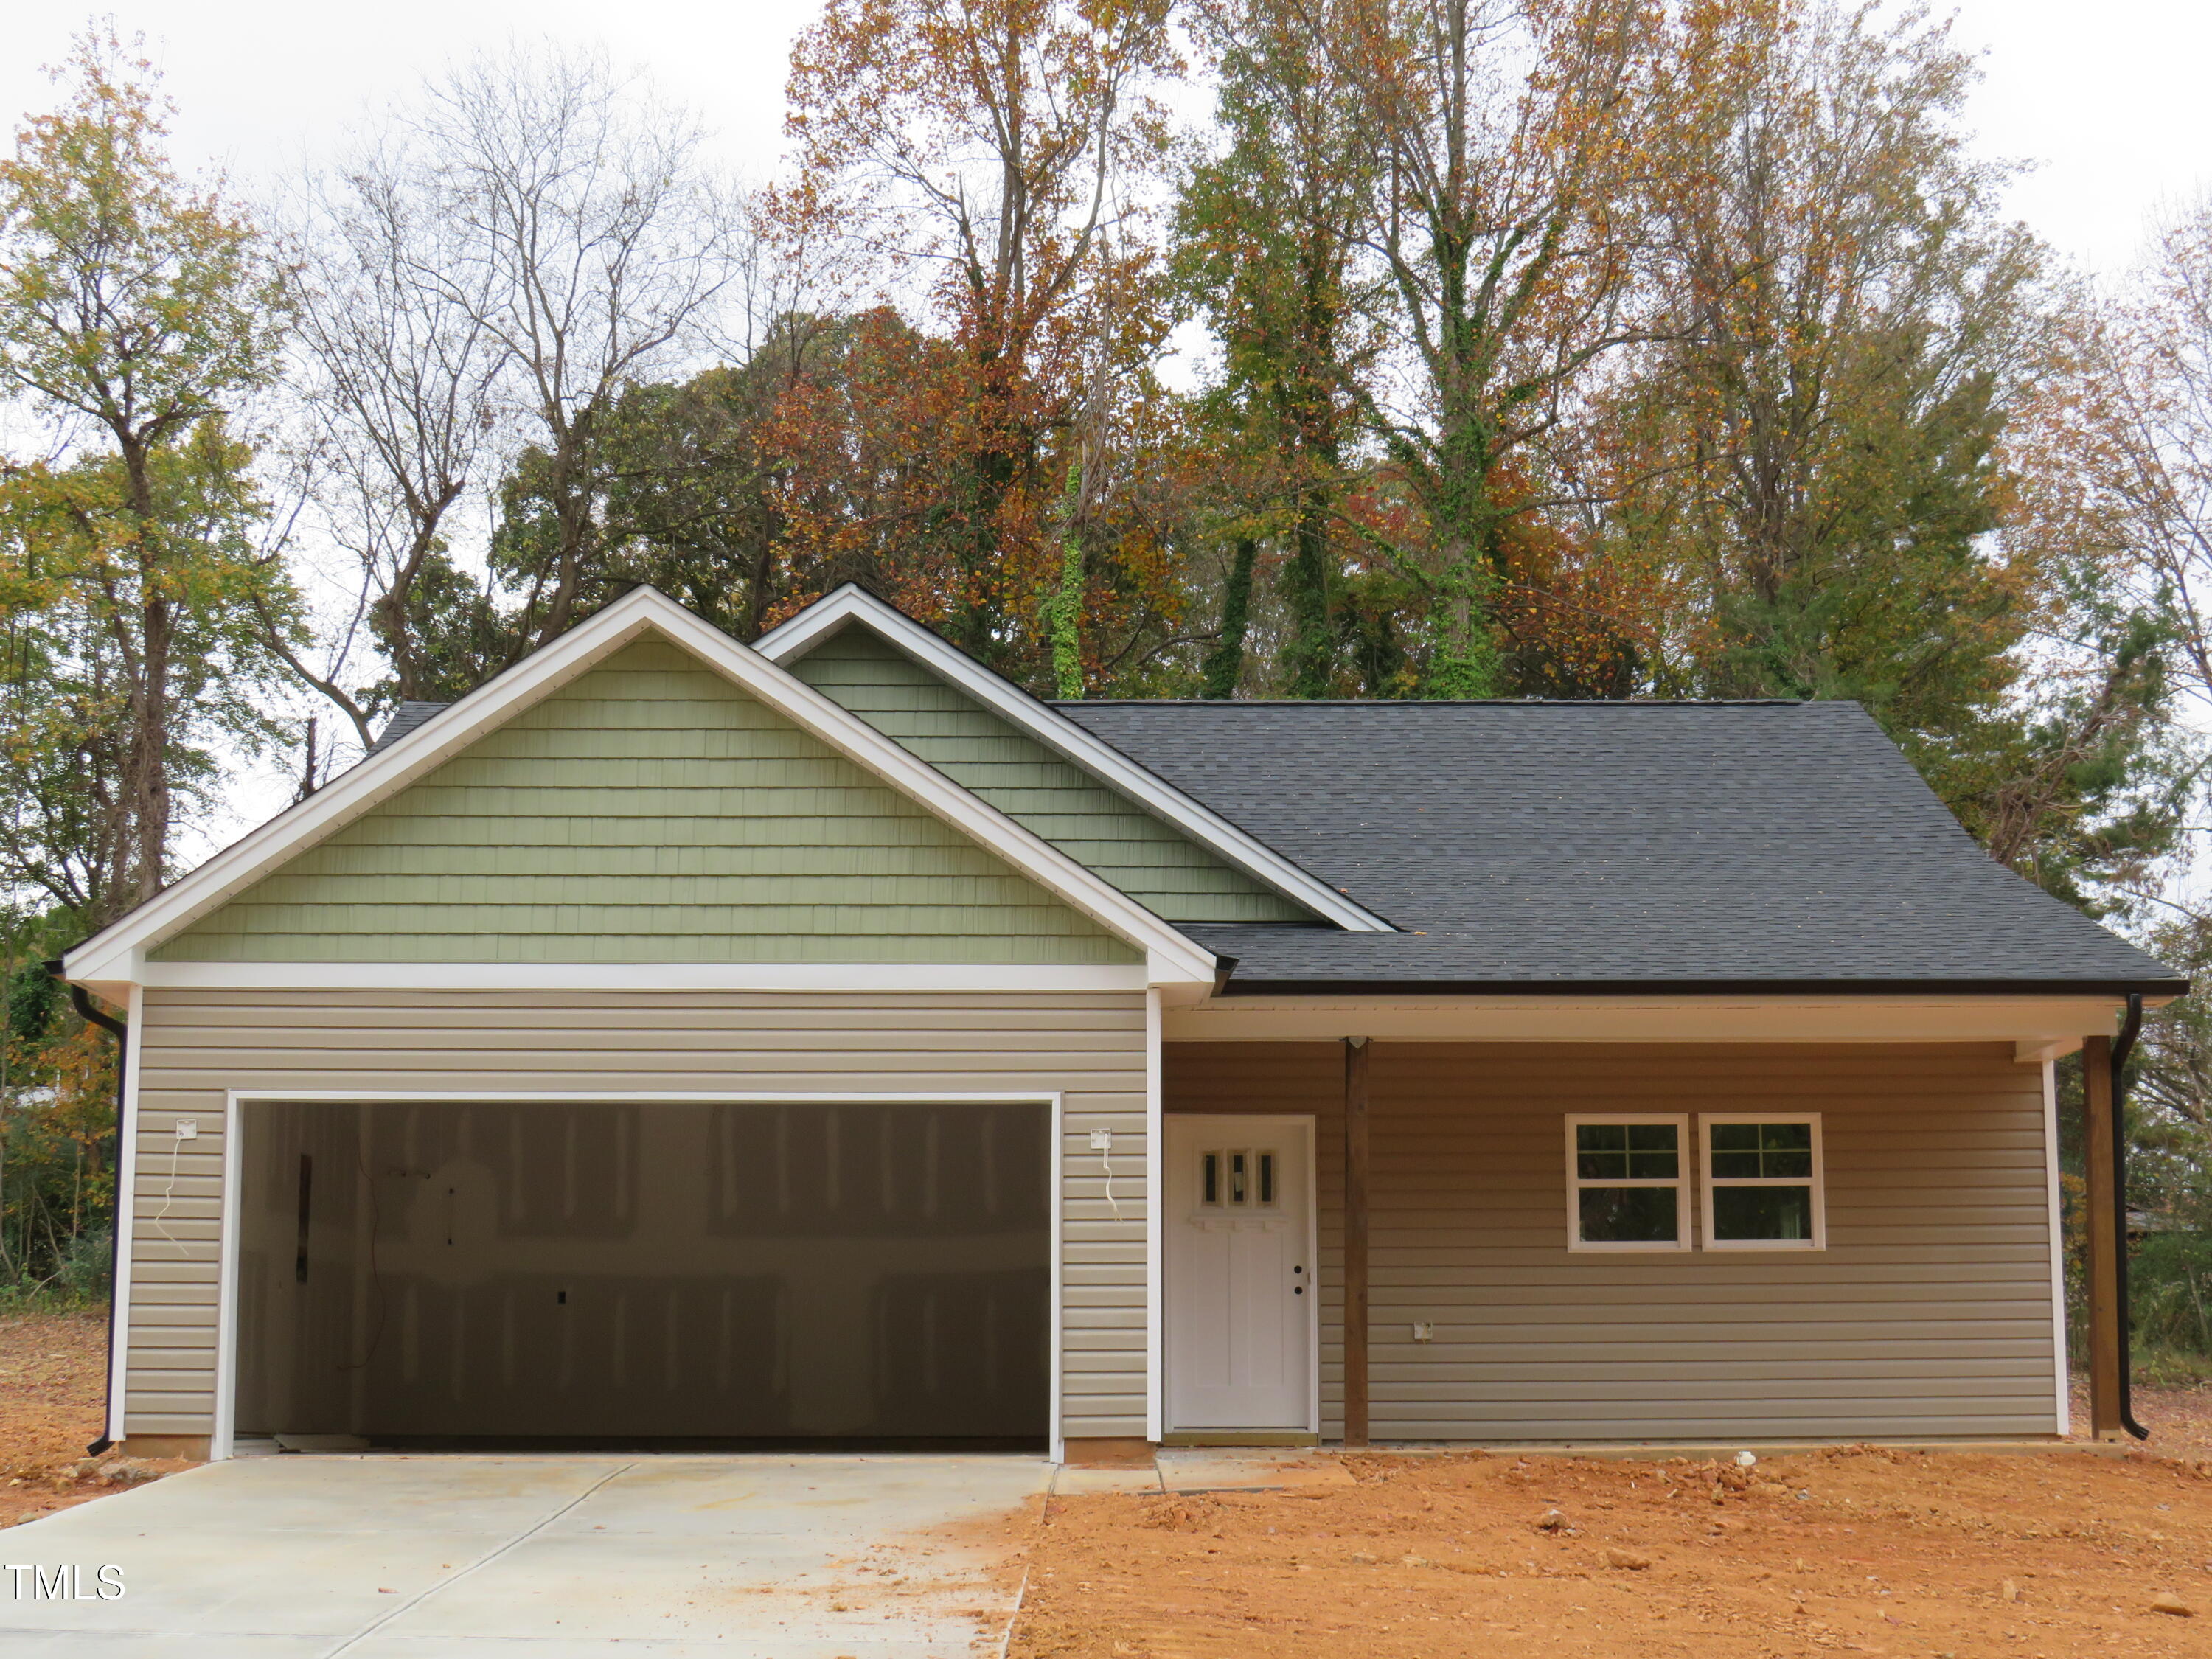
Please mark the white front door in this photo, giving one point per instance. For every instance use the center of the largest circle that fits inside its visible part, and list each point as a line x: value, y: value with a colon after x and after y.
x: 1240, y: 1274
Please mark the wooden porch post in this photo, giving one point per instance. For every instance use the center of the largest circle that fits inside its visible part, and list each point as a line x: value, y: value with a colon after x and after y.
x: 2105, y: 1263
x: 1355, y: 1241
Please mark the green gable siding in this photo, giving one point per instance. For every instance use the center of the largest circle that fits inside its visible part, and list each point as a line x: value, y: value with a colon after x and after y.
x: 648, y: 812
x: 1047, y: 794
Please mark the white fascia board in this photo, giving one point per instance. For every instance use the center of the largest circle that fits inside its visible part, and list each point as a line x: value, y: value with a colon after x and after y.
x: 792, y: 639
x: 778, y: 977
x: 1171, y: 958
x: 2032, y: 1025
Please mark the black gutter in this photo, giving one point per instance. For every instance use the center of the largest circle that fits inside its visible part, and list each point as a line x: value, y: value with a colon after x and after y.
x: 2123, y: 1045
x: 82, y: 1004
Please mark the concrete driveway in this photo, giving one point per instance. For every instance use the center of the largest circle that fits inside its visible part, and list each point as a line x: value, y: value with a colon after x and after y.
x: 387, y: 1556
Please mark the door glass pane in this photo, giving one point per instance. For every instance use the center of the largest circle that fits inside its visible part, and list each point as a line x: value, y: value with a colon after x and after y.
x: 1209, y: 1178
x: 1237, y: 1176
x: 1781, y: 1213
x: 1267, y: 1177
x: 1629, y: 1215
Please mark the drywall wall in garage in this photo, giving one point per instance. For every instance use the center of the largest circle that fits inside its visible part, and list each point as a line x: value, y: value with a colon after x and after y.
x: 613, y: 1270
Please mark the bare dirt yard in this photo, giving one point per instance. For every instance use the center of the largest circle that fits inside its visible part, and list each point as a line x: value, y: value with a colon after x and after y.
x: 53, y: 1384
x: 1849, y: 1551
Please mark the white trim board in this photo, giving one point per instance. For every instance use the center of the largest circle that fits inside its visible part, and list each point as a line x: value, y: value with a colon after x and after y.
x: 126, y: 1215
x: 2036, y: 1024
x: 768, y: 977
x: 116, y: 953
x: 2062, y: 1402
x: 222, y: 1442
x: 851, y: 604
x: 1155, y: 1173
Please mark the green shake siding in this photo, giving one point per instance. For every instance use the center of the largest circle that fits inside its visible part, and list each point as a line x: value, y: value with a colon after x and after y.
x: 1053, y: 798
x: 649, y: 811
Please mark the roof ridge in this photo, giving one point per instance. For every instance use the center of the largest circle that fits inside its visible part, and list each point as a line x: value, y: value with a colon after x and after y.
x: 1450, y: 702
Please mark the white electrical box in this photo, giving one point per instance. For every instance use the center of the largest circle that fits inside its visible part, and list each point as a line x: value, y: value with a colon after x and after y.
x: 1101, y: 1141
x: 188, y: 1128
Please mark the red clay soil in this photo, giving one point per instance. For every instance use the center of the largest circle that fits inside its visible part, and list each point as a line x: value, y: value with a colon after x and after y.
x: 52, y: 1385
x: 1848, y: 1550
x: 2180, y: 1420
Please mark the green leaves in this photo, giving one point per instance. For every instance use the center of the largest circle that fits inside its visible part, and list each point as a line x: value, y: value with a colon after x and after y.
x: 134, y: 315
x: 125, y: 297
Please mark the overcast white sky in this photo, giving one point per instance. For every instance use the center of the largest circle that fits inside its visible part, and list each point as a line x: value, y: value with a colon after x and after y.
x: 2107, y: 98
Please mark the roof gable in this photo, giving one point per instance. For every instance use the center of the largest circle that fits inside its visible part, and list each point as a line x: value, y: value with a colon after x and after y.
x: 647, y: 811
x: 1181, y: 809
x: 1163, y: 868
x: 117, y: 955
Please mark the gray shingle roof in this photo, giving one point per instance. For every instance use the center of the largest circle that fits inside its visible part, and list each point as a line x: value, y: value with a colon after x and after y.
x: 404, y: 718
x: 1770, y: 846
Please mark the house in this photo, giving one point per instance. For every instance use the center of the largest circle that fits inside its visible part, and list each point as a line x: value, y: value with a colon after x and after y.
x: 823, y: 1041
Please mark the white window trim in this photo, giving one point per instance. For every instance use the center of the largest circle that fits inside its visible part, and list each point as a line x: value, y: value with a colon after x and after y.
x: 1819, y: 1184
x: 1685, y: 1222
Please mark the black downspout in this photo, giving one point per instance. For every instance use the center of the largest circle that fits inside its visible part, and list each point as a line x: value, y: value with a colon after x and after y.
x: 121, y: 1033
x: 2123, y: 1045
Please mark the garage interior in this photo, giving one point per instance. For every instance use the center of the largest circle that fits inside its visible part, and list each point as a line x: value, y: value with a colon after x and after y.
x: 618, y: 1274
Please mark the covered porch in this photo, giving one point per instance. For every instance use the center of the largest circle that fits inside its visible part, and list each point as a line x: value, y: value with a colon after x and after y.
x: 1841, y: 1222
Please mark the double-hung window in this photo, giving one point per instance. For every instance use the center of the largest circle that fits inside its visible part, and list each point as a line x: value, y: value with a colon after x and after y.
x: 1762, y: 1181
x: 1627, y: 1183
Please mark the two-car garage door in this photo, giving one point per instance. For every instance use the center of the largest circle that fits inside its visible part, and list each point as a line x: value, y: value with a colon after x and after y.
x: 636, y: 1271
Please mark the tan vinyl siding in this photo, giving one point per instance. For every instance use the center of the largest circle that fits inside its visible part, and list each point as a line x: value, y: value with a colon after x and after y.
x: 1928, y: 1316
x: 648, y: 812
x: 195, y: 1046
x: 1051, y: 797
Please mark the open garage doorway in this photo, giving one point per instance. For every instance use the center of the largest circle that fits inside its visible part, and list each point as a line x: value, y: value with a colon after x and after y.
x: 579, y: 1273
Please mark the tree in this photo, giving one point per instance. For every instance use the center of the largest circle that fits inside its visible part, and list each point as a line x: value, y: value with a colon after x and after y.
x: 1267, y: 244
x: 2144, y: 425
x: 1509, y: 134
x: 1841, y: 441
x: 987, y: 150
x: 134, y: 311
x: 489, y: 277
x: 1843, y: 323
x: 400, y: 388
x: 686, y: 498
